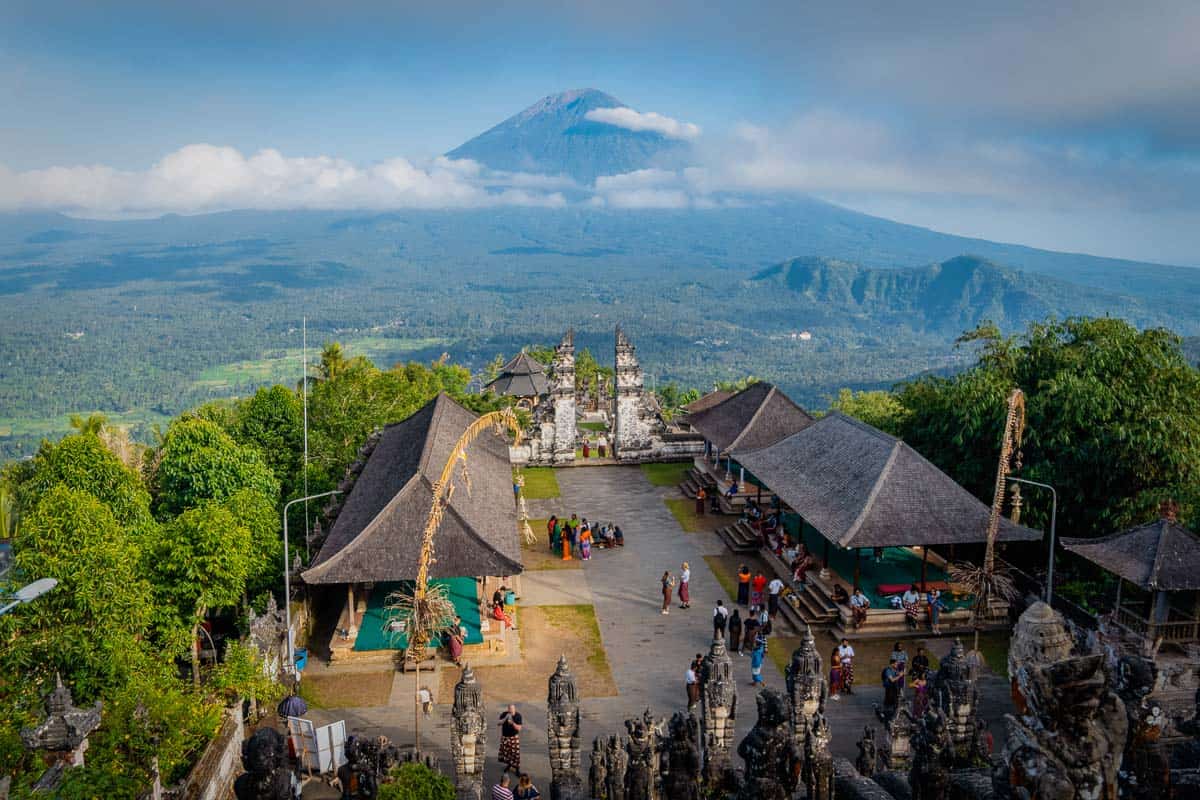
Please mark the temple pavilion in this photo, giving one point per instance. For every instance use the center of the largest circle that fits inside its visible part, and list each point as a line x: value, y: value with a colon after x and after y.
x: 374, y: 546
x: 523, y: 378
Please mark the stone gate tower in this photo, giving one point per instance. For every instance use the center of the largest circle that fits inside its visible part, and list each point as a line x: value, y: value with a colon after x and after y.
x: 633, y: 419
x: 562, y: 395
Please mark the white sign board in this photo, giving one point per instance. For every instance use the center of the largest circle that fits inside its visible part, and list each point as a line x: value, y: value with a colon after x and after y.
x: 321, y: 749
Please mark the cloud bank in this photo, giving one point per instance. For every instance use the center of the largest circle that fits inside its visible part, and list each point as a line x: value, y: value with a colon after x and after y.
x: 632, y: 120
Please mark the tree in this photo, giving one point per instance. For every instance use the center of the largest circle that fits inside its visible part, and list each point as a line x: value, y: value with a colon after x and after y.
x: 88, y: 627
x: 82, y: 462
x: 672, y: 397
x: 492, y: 370
x: 200, y: 462
x: 880, y: 409
x: 259, y: 514
x: 735, y: 386
x: 201, y: 561
x: 91, y: 425
x: 1112, y: 419
x: 415, y: 781
x: 272, y: 421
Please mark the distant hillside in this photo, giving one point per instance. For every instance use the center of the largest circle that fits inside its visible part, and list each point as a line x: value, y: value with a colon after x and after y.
x: 554, y: 137
x: 952, y: 296
x: 1191, y: 349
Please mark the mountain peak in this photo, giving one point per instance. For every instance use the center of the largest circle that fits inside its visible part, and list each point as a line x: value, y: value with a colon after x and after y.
x: 555, y: 136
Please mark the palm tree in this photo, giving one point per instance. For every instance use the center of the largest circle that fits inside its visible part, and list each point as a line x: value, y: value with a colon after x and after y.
x: 91, y: 425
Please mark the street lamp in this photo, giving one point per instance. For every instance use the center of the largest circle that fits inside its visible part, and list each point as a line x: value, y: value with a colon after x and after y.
x: 287, y: 584
x: 1053, y: 520
x: 29, y: 593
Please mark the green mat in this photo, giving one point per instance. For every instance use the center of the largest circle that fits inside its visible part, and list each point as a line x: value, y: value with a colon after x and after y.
x: 371, y: 633
x: 898, y: 565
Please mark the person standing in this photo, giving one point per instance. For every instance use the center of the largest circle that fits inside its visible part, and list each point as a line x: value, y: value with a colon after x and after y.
x: 751, y: 628
x: 892, y: 681
x: 566, y: 543
x: 692, y: 684
x: 720, y: 619
x: 510, y: 740
x: 756, y: 588
x: 933, y: 599
x: 455, y: 638
x: 585, y: 543
x: 901, y: 659
x: 556, y: 535
x: 773, y: 590
x: 525, y: 788
x: 701, y: 496
x: 500, y: 791
x: 920, y: 664
x: 735, y: 633
x: 743, y: 576
x: 602, y: 445
x: 756, y: 660
x: 846, y: 656
x: 685, y: 577
x: 667, y: 583
x: 835, y: 675
x: 920, y: 701
x: 550, y: 524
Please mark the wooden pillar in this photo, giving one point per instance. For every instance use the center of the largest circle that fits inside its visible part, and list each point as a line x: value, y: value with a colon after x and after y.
x: 857, y: 568
x: 825, y: 565
x: 924, y: 566
x: 353, y: 626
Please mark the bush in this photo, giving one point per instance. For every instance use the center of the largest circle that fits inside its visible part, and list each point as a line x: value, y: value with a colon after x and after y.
x: 416, y: 782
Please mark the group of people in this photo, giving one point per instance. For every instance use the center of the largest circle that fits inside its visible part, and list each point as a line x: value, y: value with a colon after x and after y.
x: 575, y: 537
x: 909, y: 601
x: 901, y: 672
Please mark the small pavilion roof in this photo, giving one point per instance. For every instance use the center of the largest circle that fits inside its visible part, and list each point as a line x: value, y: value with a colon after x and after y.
x: 707, y: 401
x: 1160, y: 555
x: 860, y: 487
x: 523, y: 376
x: 755, y: 417
x: 377, y: 535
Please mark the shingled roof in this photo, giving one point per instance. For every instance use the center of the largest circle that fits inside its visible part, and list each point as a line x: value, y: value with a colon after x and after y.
x: 521, y: 377
x: 755, y: 417
x: 861, y: 487
x: 707, y: 401
x: 377, y: 535
x: 1160, y: 555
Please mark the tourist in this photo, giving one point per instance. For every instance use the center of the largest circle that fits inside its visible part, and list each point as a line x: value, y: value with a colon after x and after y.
x: 919, y: 667
x: 756, y: 588
x: 743, y: 590
x: 577, y: 542
x: 500, y: 615
x: 602, y: 446
x: 859, y: 605
x: 735, y: 633
x: 835, y: 675
x: 668, y: 582
x: 731, y: 492
x: 587, y: 449
x: 556, y: 529
x: 566, y: 543
x: 585, y: 543
x: 801, y: 563
x: 933, y: 600
x: 910, y: 601
x: 773, y: 590
x: 892, y: 679
x: 685, y: 577
x: 455, y: 638
x: 901, y: 659
x: 500, y: 791
x: 756, y: 660
x: 920, y: 701
x: 425, y: 697
x: 720, y: 619
x: 764, y: 621
x: 700, y: 497
x: 525, y: 788
x: 510, y: 739
x: 692, y: 685
x: 618, y: 537
x: 751, y: 628
x: 846, y: 657
x: 839, y: 596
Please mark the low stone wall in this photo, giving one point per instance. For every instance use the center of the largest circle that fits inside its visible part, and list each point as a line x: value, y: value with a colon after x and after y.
x: 212, y: 777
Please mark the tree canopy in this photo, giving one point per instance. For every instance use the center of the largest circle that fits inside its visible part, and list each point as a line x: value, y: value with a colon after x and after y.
x: 200, y: 462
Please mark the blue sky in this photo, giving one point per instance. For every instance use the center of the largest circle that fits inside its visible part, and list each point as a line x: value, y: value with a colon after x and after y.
x: 1069, y: 125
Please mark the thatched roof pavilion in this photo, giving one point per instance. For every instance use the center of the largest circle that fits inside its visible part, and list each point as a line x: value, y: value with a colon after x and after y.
x: 523, y: 376
x: 1160, y: 555
x: 755, y: 417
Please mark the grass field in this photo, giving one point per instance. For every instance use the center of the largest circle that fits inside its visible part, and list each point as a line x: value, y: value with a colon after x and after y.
x: 56, y: 426
x: 684, y: 511
x: 580, y: 620
x: 665, y: 474
x: 595, y: 427
x: 540, y: 483
x: 347, y: 690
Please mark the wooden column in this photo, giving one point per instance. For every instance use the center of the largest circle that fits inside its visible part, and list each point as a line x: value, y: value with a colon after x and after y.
x: 857, y: 567
x: 353, y: 626
x: 924, y: 565
x: 825, y: 565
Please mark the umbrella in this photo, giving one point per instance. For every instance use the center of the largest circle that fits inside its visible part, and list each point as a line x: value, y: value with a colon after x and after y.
x: 292, y: 706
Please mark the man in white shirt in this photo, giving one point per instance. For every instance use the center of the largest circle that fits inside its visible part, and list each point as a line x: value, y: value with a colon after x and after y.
x: 720, y: 619
x: 846, y: 655
x: 692, y: 683
x: 773, y: 590
x: 859, y: 603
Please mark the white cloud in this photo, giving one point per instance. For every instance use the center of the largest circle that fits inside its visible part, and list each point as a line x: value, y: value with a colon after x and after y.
x: 644, y: 121
x: 202, y: 177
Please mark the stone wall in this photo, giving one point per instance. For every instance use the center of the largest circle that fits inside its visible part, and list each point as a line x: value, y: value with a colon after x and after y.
x: 212, y: 777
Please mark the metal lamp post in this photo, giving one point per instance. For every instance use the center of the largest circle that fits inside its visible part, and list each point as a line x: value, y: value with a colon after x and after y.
x: 29, y: 593
x: 287, y: 583
x: 1053, y: 520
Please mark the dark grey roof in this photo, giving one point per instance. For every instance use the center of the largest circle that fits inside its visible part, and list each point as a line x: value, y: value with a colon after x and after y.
x: 860, y: 487
x: 523, y: 376
x: 708, y: 401
x: 377, y: 535
x: 1158, y: 555
x: 755, y: 417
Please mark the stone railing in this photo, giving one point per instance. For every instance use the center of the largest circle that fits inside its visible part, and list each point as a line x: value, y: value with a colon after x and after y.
x: 221, y: 762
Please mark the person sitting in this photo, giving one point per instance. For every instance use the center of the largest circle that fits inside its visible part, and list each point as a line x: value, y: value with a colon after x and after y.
x: 911, y: 603
x: 859, y: 604
x: 499, y: 614
x: 731, y: 491
x: 800, y: 566
x: 604, y: 537
x: 618, y: 537
x: 839, y: 595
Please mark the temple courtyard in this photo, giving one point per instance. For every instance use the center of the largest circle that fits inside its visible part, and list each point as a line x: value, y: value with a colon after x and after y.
x: 626, y: 656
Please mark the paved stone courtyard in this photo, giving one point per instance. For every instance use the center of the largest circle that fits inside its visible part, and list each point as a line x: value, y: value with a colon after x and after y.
x: 648, y: 652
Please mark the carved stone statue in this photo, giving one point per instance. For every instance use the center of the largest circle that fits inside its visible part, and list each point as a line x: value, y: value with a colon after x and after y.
x: 598, y: 770
x: 868, y: 755
x: 806, y: 685
x: 642, y: 775
x: 953, y: 691
x: 818, y: 762
x: 719, y: 699
x: 681, y: 767
x: 933, y: 757
x: 769, y: 750
x: 267, y: 777
x: 562, y: 733
x: 898, y: 725
x: 63, y: 734
x: 616, y: 767
x: 1070, y: 732
x: 468, y: 737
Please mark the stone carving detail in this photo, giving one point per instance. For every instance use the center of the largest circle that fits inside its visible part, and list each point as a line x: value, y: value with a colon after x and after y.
x: 769, y: 750
x: 898, y: 725
x: 868, y: 755
x: 1070, y: 732
x: 953, y: 691
x: 933, y: 757
x: 468, y: 737
x: 267, y: 775
x: 681, y: 770
x: 806, y: 686
x: 634, y: 418
x: 719, y: 698
x: 643, y: 772
x: 598, y: 769
x: 617, y: 767
x: 818, y: 762
x: 562, y: 731
x: 562, y: 395
x: 63, y: 734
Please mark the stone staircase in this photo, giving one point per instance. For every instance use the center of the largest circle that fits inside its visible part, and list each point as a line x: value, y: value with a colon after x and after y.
x: 809, y: 606
x: 696, y: 478
x: 740, y: 537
